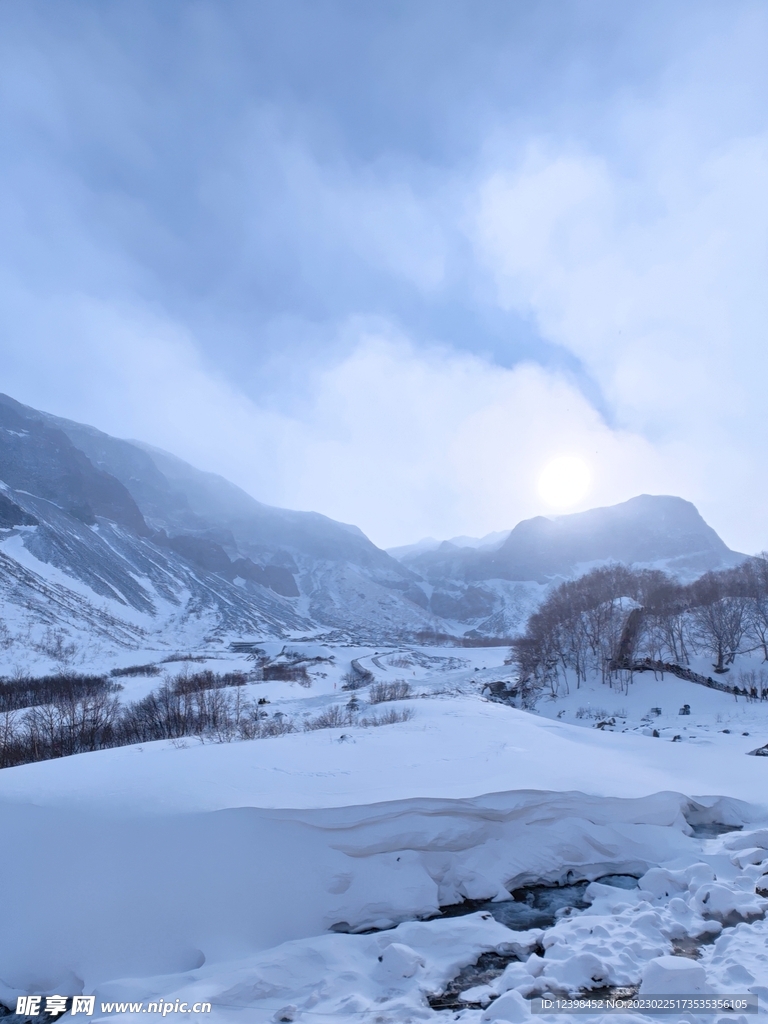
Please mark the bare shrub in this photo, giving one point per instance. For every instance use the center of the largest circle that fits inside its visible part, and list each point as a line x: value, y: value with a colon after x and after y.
x: 286, y: 673
x: 61, y: 715
x: 334, y: 717
x: 381, y: 692
x: 277, y: 726
x: 191, y: 682
x: 390, y: 717
x: 54, y: 645
x: 401, y: 661
x: 135, y: 670
x: 591, y: 712
x: 27, y: 692
x: 6, y: 638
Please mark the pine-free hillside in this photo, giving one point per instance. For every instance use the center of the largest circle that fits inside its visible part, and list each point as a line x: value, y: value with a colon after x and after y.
x: 108, y: 539
x: 101, y: 536
x: 617, y: 620
x: 653, y: 530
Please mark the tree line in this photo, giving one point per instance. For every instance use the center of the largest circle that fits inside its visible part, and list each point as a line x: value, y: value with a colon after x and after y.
x: 616, y: 620
x: 56, y: 716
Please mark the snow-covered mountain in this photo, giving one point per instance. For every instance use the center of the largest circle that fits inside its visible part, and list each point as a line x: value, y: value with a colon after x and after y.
x: 120, y: 542
x: 661, y: 531
x: 126, y: 543
x: 490, y: 542
x: 658, y: 530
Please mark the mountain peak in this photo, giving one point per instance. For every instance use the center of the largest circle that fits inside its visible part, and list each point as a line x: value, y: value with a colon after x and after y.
x: 648, y: 529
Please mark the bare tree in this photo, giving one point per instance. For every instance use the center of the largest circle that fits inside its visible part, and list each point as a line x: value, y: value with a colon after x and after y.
x: 719, y: 619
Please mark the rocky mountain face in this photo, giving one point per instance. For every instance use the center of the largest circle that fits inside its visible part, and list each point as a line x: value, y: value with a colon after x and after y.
x: 124, y: 543
x: 656, y: 530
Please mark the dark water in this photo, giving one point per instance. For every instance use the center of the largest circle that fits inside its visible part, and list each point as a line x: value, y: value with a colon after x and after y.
x: 537, y: 906
x: 532, y: 906
x: 488, y: 967
x: 713, y: 829
x: 691, y: 948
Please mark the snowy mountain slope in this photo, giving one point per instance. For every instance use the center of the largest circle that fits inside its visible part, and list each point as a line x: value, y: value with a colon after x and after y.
x: 480, y: 585
x: 103, y: 582
x: 658, y: 530
x: 489, y: 542
x: 175, y: 551
x: 176, y: 497
x: 221, y: 869
x: 172, y: 554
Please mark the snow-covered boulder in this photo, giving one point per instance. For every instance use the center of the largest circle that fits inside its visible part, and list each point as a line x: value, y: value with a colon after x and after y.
x: 514, y: 975
x: 509, y: 1007
x: 535, y: 964
x: 673, y: 975
x: 400, y: 960
x: 662, y: 882
x: 751, y: 855
x: 577, y: 973
x: 727, y: 905
x: 745, y: 840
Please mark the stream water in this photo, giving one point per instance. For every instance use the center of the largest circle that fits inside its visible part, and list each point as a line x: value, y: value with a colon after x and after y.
x: 532, y: 906
x: 713, y: 829
x: 537, y: 906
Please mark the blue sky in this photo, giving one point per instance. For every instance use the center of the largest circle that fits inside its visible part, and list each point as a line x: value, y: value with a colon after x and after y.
x: 387, y: 261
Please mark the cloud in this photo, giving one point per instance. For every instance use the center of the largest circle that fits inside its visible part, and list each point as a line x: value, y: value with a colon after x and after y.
x: 654, y: 278
x: 286, y: 257
x: 399, y: 440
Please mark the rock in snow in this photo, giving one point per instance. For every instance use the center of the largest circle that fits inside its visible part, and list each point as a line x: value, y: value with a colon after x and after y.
x: 400, y: 960
x: 509, y: 1007
x: 673, y: 975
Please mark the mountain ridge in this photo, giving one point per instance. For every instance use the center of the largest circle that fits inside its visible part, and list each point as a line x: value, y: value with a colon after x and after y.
x: 121, y: 538
x: 646, y: 529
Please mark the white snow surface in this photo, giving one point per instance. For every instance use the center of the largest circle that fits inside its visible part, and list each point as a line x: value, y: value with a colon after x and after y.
x: 215, y: 872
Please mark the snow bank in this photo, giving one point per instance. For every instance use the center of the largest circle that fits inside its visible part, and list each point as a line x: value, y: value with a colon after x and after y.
x: 162, y: 894
x: 169, y: 866
x: 454, y: 748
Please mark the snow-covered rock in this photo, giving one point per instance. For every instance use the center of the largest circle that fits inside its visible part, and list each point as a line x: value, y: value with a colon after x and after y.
x: 663, y: 882
x: 752, y: 855
x: 746, y: 840
x: 726, y: 904
x: 578, y: 973
x: 286, y: 1014
x: 400, y: 960
x: 510, y: 1007
x: 673, y: 975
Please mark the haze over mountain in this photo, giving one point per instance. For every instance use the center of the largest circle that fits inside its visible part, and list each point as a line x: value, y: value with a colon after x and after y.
x: 118, y: 541
x: 490, y: 541
x: 658, y: 530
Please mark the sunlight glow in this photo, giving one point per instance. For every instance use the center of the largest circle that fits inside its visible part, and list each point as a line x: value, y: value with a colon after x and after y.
x: 564, y: 481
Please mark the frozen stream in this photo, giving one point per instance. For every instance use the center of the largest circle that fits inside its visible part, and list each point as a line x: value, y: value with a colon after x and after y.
x: 532, y: 906
x: 243, y: 899
x: 537, y: 906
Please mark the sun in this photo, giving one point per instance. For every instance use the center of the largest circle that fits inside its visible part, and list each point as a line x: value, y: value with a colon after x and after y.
x: 564, y: 481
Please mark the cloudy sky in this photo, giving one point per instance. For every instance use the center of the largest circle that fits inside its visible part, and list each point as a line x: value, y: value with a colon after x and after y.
x: 429, y: 267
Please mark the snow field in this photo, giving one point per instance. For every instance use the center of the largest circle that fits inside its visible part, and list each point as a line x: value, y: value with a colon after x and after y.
x: 715, y: 717
x: 625, y: 938
x: 183, y: 867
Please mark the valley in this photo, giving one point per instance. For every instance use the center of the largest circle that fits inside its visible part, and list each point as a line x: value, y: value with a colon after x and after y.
x: 299, y: 778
